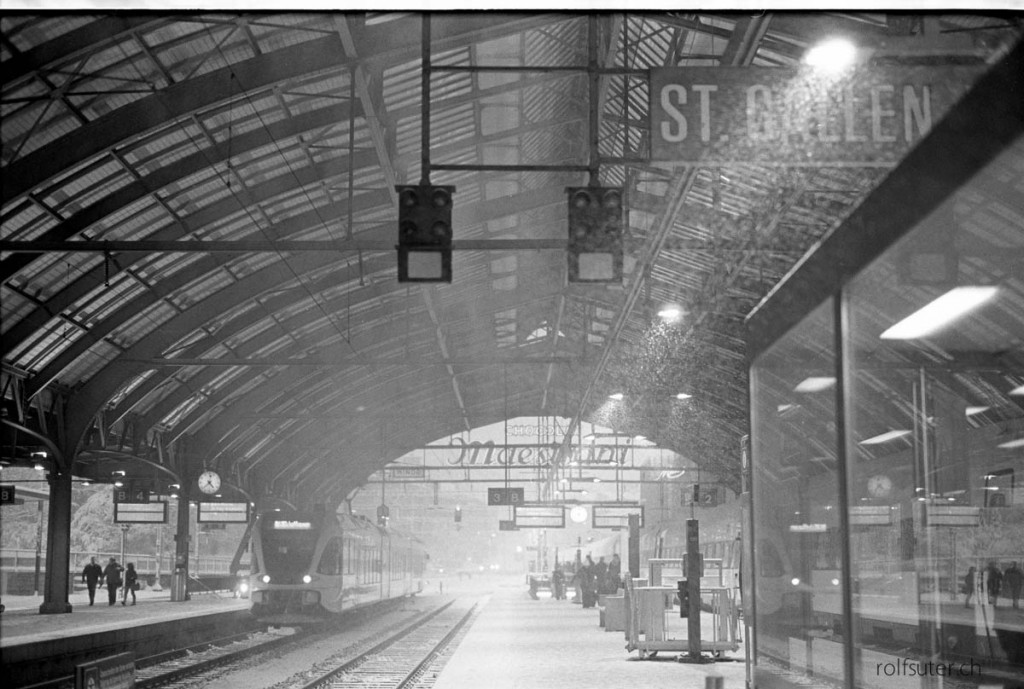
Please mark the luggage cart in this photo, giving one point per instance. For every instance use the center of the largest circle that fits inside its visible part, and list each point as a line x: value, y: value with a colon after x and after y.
x: 650, y: 629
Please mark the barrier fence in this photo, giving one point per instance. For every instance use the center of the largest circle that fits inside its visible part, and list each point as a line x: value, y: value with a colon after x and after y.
x: 207, y: 572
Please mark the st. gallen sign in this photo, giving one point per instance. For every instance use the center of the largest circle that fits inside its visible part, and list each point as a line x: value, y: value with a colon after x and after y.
x: 711, y: 116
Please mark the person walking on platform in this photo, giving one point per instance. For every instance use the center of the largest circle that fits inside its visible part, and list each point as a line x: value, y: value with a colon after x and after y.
x: 585, y: 577
x: 91, y: 576
x: 601, y: 575
x: 131, y: 582
x: 969, y: 586
x: 558, y: 583
x: 614, y: 574
x: 1014, y: 578
x: 112, y: 574
x: 993, y: 581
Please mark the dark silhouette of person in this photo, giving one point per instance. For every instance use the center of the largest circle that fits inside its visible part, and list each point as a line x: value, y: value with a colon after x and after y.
x: 995, y: 579
x: 91, y: 576
x: 1013, y: 578
x: 131, y: 580
x: 601, y: 575
x: 558, y: 583
x: 615, y: 573
x: 969, y: 586
x: 112, y: 574
x: 585, y: 575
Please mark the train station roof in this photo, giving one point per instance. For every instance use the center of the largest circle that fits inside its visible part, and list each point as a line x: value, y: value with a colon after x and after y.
x: 199, y: 217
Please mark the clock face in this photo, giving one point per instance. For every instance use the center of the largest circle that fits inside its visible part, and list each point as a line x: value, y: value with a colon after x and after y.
x: 879, y: 486
x: 578, y: 514
x: 209, y: 482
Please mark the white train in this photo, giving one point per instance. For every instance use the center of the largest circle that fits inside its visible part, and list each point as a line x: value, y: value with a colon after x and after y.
x: 308, y: 564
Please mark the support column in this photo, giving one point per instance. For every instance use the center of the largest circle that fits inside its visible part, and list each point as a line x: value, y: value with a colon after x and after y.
x: 634, y: 545
x: 694, y: 571
x: 58, y: 545
x: 179, y: 579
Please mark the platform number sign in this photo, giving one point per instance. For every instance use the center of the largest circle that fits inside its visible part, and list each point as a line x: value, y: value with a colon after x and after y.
x: 506, y: 496
x: 131, y: 491
x: 701, y: 496
x: 112, y: 672
x: 7, y: 495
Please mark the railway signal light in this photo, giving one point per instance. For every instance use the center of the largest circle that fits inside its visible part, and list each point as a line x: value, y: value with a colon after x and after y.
x: 424, y: 233
x: 595, y: 234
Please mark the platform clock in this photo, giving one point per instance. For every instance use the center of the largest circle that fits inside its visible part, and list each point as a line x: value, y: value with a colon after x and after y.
x: 879, y: 486
x: 209, y: 482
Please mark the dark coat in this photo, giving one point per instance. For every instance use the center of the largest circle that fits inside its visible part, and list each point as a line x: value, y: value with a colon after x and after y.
x: 112, y: 573
x: 1013, y: 577
x: 92, y: 573
x: 995, y: 578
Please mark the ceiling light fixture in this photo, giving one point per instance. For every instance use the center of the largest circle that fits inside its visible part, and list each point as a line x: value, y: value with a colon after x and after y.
x: 939, y: 313
x: 1012, y: 444
x: 1019, y: 390
x: 885, y: 437
x: 670, y: 314
x: 616, y: 396
x: 815, y: 384
x: 833, y: 55
x: 683, y: 396
x: 971, y: 411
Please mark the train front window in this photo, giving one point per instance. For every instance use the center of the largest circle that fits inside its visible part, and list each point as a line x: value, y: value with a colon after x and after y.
x: 288, y: 548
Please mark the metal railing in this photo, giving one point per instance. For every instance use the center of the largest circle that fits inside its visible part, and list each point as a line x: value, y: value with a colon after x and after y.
x: 24, y: 560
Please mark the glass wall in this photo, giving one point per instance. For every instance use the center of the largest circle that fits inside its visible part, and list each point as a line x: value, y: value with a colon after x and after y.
x: 887, y: 429
x: 935, y: 444
x: 796, y: 530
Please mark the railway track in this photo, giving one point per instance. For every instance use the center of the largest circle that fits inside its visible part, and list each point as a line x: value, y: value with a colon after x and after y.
x: 182, y: 666
x: 197, y: 669
x: 185, y: 666
x: 402, y: 660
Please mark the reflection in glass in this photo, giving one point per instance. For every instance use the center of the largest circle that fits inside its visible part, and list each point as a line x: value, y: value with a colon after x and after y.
x: 937, y: 518
x: 796, y: 508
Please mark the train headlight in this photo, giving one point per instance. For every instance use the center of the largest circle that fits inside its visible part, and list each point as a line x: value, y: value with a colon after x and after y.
x: 306, y: 579
x: 265, y: 578
x: 244, y: 587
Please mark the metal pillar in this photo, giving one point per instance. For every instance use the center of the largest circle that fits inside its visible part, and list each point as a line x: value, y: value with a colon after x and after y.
x: 694, y: 570
x: 634, y: 545
x: 124, y: 544
x: 39, y: 546
x: 58, y: 545
x: 179, y: 578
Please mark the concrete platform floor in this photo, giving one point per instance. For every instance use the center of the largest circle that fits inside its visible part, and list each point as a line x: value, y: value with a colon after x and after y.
x: 21, y: 622
x: 520, y: 643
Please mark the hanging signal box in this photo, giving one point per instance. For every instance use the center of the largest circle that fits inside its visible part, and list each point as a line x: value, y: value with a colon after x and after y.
x: 424, y: 233
x: 595, y: 234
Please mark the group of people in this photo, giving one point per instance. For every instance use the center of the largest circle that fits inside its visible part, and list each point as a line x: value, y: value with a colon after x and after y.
x: 594, y: 578
x: 993, y: 580
x: 112, y: 576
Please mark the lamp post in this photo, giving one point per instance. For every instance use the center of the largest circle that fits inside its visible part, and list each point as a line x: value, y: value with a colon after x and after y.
x: 39, y: 545
x: 124, y: 544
